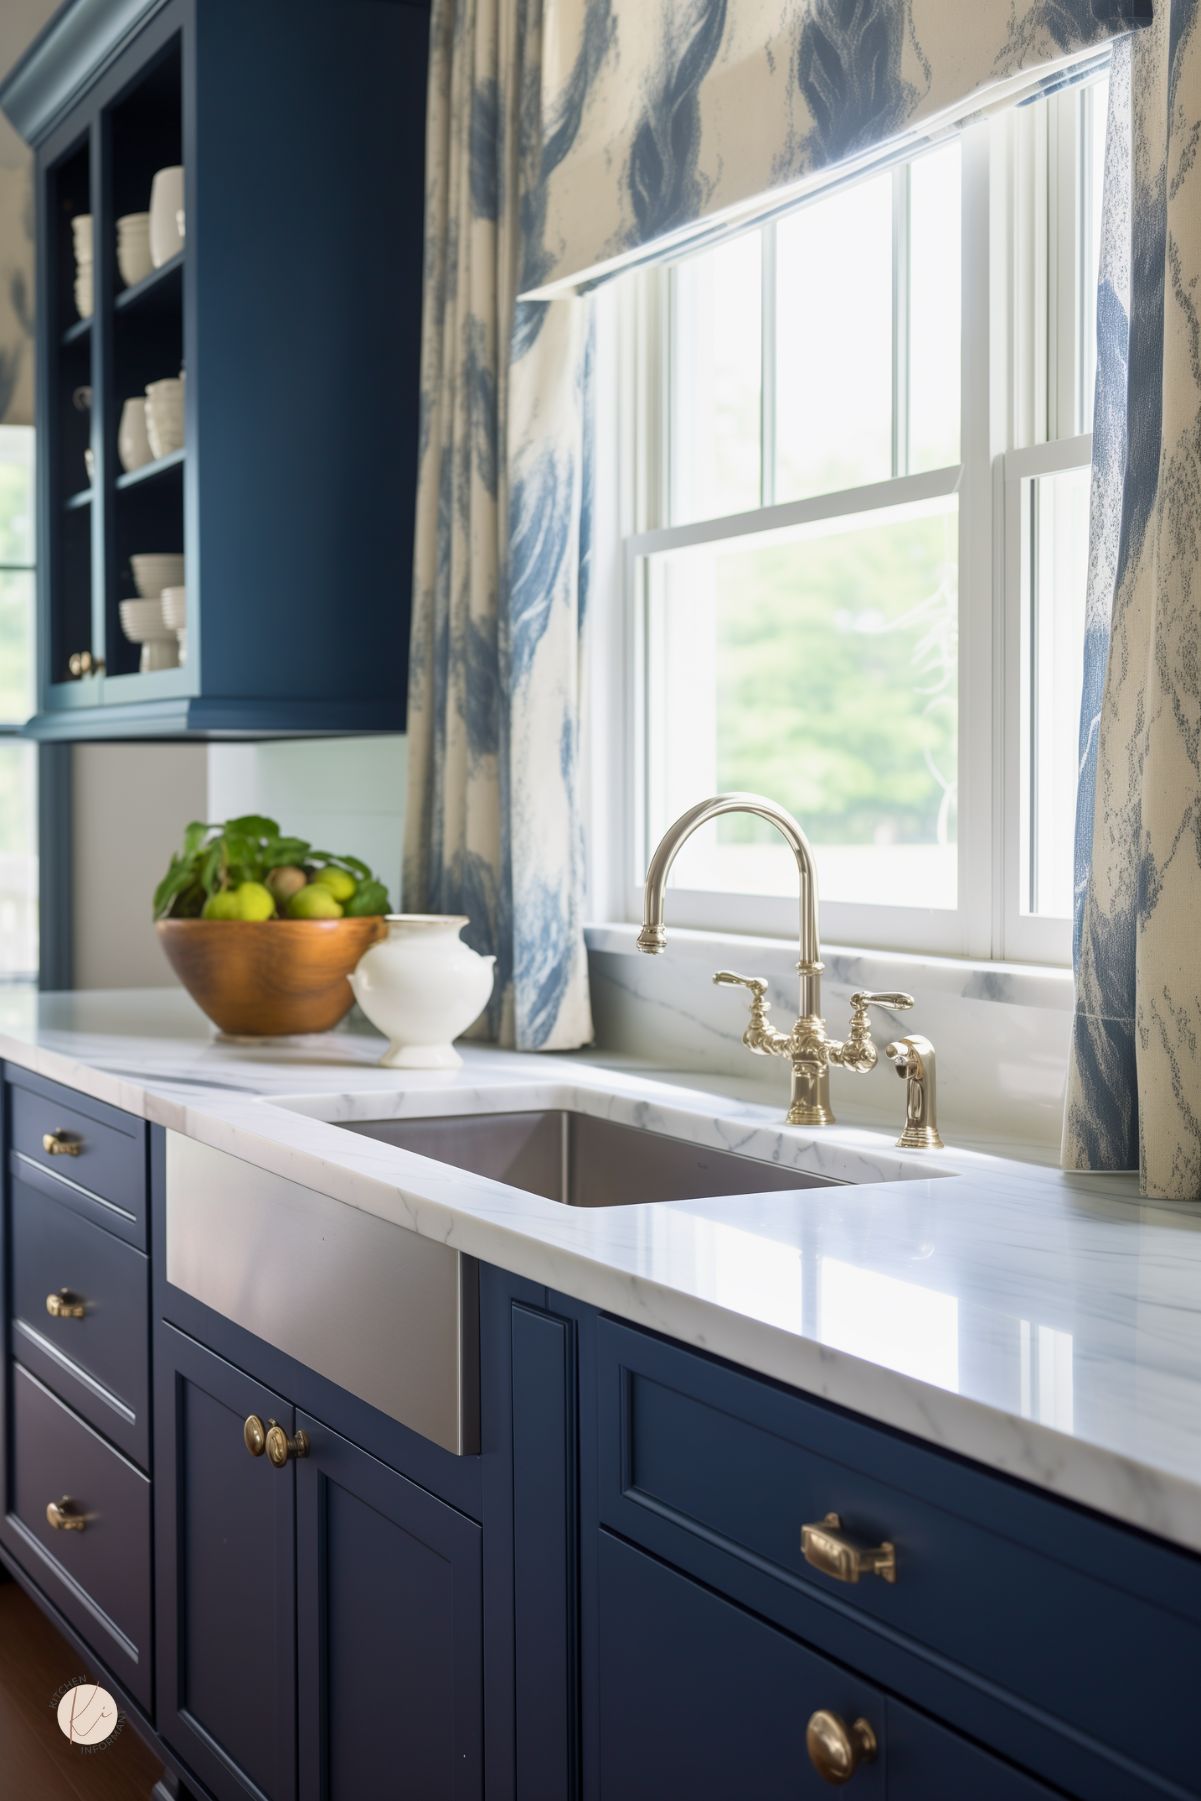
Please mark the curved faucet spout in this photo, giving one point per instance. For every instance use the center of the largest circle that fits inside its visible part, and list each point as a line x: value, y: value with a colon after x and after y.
x: 653, y: 936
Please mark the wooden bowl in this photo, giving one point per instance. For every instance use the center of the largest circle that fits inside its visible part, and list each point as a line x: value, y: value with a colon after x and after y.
x: 268, y: 978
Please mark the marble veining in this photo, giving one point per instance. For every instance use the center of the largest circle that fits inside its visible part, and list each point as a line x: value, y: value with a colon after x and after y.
x: 1046, y: 1325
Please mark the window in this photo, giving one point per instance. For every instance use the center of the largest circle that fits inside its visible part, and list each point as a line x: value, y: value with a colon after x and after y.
x: 18, y: 759
x: 850, y: 475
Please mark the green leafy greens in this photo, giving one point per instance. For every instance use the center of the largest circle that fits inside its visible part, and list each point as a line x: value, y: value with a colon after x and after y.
x: 213, y: 857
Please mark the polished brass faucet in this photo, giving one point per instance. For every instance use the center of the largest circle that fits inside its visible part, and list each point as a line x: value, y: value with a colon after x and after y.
x: 808, y: 1047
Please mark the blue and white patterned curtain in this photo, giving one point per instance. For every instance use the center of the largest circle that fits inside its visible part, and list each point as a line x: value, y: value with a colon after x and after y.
x: 688, y: 117
x: 493, y: 825
x: 568, y: 138
x: 1134, y: 1096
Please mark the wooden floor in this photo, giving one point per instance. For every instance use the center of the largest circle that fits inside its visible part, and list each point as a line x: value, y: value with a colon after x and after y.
x: 36, y: 1762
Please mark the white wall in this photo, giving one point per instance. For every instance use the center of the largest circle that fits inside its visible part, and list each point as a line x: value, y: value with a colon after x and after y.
x: 132, y: 802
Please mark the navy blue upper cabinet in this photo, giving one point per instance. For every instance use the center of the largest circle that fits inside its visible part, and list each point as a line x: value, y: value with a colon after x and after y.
x: 294, y: 309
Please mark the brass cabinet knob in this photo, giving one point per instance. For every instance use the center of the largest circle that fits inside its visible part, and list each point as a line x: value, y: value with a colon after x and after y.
x: 82, y: 662
x: 254, y: 1435
x: 64, y: 1516
x: 61, y: 1143
x: 64, y: 1305
x: 280, y: 1447
x: 827, y: 1547
x: 835, y: 1749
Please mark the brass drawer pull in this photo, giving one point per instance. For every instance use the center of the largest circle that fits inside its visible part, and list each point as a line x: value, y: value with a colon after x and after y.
x: 65, y: 1305
x: 81, y: 663
x: 280, y: 1447
x: 835, y: 1749
x: 64, y: 1517
x: 827, y: 1547
x: 254, y: 1435
x: 61, y: 1143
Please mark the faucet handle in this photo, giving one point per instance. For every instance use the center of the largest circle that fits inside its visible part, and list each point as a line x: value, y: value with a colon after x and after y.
x: 859, y: 1053
x: 727, y: 979
x: 760, y: 1035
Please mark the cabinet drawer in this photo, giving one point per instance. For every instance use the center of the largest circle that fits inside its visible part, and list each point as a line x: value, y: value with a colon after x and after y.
x: 697, y: 1698
x: 98, y: 1362
x: 1004, y: 1600
x: 100, y: 1576
x: 102, y: 1165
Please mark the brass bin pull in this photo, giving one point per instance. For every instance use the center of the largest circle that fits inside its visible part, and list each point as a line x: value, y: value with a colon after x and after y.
x: 254, y: 1435
x: 61, y: 1143
x: 64, y: 1517
x: 827, y: 1547
x: 280, y: 1447
x: 835, y: 1749
x: 65, y: 1305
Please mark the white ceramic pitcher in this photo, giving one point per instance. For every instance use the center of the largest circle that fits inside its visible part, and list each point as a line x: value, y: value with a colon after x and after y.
x: 421, y: 986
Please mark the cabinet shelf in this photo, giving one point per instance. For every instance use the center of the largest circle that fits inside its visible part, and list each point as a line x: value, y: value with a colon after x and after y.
x: 156, y: 284
x: 133, y: 478
x: 79, y: 330
x: 74, y: 502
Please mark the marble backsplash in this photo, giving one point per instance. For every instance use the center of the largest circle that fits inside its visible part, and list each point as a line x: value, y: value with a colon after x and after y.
x: 1001, y: 1032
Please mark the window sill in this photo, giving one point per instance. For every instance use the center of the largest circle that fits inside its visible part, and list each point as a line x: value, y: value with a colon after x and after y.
x: 1017, y: 984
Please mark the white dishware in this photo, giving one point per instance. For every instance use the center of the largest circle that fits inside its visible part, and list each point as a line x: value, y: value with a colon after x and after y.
x: 133, y: 444
x: 175, y: 608
x: 84, y: 296
x: 166, y: 215
x: 155, y: 570
x: 143, y: 623
x: 89, y: 463
x: 133, y: 247
x: 81, y: 237
x: 165, y: 415
x: 421, y: 986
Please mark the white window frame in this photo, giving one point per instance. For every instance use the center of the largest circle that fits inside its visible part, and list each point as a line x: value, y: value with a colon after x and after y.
x: 1019, y: 302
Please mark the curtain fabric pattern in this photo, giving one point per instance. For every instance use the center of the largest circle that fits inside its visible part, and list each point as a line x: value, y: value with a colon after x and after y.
x: 676, y: 114
x: 1134, y: 1096
x: 500, y: 569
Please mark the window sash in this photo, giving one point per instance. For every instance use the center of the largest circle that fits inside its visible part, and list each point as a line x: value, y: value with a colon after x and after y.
x: 1014, y: 308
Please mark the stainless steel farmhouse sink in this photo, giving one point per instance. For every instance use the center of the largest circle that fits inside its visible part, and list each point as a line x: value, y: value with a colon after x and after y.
x: 581, y: 1160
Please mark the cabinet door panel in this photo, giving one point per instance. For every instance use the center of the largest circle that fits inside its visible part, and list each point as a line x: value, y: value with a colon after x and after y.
x: 699, y: 1699
x: 388, y: 1630
x: 225, y: 1573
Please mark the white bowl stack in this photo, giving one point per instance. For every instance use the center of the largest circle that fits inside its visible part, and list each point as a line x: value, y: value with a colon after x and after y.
x: 144, y: 620
x: 85, y: 289
x: 175, y: 614
x: 133, y: 248
x: 165, y: 415
x: 143, y: 623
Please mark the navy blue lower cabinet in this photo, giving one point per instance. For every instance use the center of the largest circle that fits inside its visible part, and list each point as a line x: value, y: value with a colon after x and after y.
x: 388, y: 1632
x: 225, y: 1577
x: 698, y: 1698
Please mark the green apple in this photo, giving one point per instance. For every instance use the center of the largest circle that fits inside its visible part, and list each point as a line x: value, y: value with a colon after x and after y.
x: 314, y: 901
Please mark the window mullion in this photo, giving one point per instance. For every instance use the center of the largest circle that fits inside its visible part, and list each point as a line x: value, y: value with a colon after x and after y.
x: 901, y: 191
x: 767, y: 364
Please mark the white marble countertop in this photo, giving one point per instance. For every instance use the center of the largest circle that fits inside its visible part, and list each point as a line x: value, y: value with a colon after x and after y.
x: 1047, y: 1326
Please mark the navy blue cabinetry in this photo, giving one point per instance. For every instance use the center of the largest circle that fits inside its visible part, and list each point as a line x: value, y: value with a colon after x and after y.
x: 388, y: 1631
x: 225, y: 1560
x: 293, y: 307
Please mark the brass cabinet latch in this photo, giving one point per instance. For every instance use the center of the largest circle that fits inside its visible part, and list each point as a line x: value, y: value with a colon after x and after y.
x: 64, y: 1515
x: 835, y: 1749
x: 827, y: 1548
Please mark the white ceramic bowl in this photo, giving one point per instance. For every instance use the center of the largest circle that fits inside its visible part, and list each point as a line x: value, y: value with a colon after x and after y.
x: 155, y: 570
x: 142, y: 619
x: 166, y: 210
x: 84, y: 298
x: 175, y: 608
x: 81, y: 233
x: 133, y: 445
x: 133, y: 248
